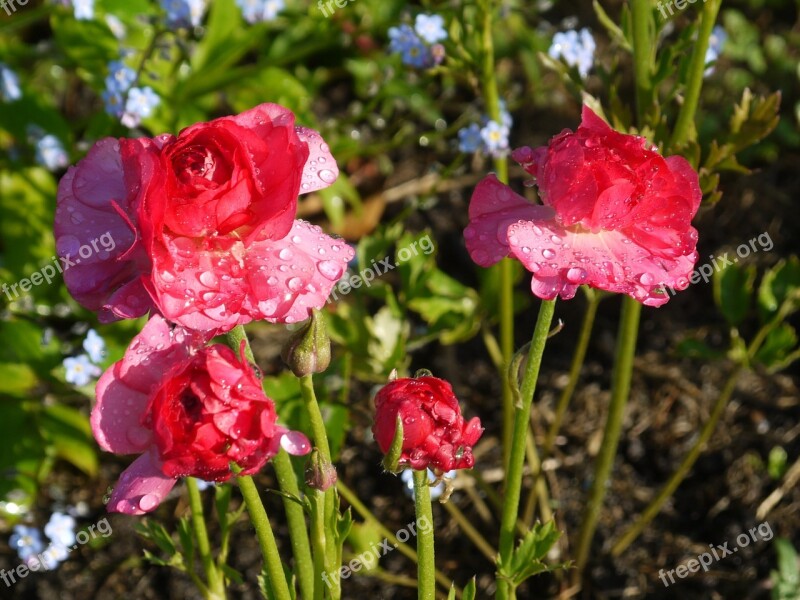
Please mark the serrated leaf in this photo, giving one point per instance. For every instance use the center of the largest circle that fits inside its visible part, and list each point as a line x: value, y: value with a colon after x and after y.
x: 781, y: 284
x: 614, y: 31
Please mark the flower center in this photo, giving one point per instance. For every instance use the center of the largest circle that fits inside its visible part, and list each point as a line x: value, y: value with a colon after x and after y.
x: 195, y: 161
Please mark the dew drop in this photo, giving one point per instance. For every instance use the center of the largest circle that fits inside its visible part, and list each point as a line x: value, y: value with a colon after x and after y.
x: 208, y: 279
x: 647, y: 279
x: 555, y: 239
x: 548, y: 253
x: 285, y: 254
x: 296, y: 239
x: 576, y: 275
x: 327, y: 175
x: 330, y: 270
x: 272, y: 280
x: 295, y: 284
x: 148, y: 502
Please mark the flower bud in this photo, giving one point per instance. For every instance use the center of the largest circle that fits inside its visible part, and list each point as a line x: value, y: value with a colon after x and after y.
x: 320, y: 473
x: 434, y: 433
x: 308, y: 351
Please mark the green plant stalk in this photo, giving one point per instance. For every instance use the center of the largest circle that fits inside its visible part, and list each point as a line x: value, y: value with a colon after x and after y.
x: 491, y: 96
x: 322, y: 520
x: 643, y: 56
x: 426, y: 566
x: 697, y: 448
x: 539, y: 492
x: 266, y: 538
x: 508, y: 522
x: 319, y: 544
x: 620, y: 391
x: 295, y: 518
x: 697, y: 67
x: 404, y: 549
x: 574, y: 372
x: 216, y: 584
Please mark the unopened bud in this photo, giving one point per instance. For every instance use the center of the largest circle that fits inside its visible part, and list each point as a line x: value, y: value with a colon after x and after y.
x: 308, y: 351
x: 320, y: 473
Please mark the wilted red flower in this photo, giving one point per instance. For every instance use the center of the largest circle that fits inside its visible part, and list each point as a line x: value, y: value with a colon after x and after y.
x: 203, y: 223
x: 189, y: 410
x: 435, y: 435
x: 617, y: 216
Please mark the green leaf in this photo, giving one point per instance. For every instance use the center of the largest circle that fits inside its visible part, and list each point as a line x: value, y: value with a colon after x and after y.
x: 363, y: 538
x: 698, y: 349
x: 786, y: 580
x: 779, y: 349
x: 781, y: 284
x: 155, y: 532
x: 470, y: 590
x: 89, y: 44
x: 733, y: 288
x: 528, y: 557
x: 22, y: 452
x: 71, y: 436
x: 777, y: 462
x: 16, y: 380
x: 392, y: 458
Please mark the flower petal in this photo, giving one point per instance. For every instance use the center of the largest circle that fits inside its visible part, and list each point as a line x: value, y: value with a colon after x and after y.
x: 494, y: 206
x: 320, y: 169
x: 141, y: 487
x: 562, y: 259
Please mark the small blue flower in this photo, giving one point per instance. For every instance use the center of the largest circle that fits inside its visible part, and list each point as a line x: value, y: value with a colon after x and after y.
x: 470, y: 139
x: 184, y: 13
x: 120, y: 77
x: 9, y: 84
x: 574, y: 48
x: 116, y: 26
x: 60, y: 529
x: 79, y: 370
x: 260, y: 11
x: 95, y: 346
x: 84, y: 9
x: 407, y: 476
x: 413, y: 52
x: 495, y: 137
x: 140, y: 105
x: 430, y: 28
x: 50, y: 153
x: 52, y: 557
x: 715, y: 44
x: 27, y: 541
x: 113, y: 101
x: 203, y: 485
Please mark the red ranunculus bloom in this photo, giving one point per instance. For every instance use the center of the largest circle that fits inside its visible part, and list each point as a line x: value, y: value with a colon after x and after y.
x: 189, y: 410
x: 435, y: 434
x: 203, y: 224
x: 616, y: 215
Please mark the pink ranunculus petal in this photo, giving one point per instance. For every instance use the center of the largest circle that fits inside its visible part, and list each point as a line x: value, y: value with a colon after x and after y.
x: 141, y: 487
x: 320, y: 170
x: 563, y: 259
x: 493, y: 208
x: 289, y: 277
x: 115, y: 417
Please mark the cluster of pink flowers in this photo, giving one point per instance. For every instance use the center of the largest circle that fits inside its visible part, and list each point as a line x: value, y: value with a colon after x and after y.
x: 205, y: 239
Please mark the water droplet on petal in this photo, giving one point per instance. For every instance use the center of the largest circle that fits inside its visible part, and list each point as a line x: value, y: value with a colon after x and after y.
x: 647, y: 279
x: 330, y: 270
x: 272, y: 280
x: 285, y: 254
x: 548, y: 253
x: 555, y: 239
x: 327, y: 175
x: 296, y: 239
x: 576, y: 275
x: 295, y: 284
x: 208, y: 279
x: 148, y: 502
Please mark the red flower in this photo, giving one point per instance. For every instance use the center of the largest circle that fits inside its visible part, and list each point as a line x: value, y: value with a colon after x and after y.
x: 617, y: 216
x: 434, y: 432
x: 189, y: 410
x: 203, y: 223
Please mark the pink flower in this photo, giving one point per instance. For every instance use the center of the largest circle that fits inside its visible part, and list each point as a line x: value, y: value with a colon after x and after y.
x: 203, y: 223
x: 188, y: 410
x: 616, y: 216
x: 435, y: 434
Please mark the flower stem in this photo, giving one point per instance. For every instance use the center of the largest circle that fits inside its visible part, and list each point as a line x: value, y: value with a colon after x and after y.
x: 508, y: 522
x: 295, y: 518
x: 574, y: 372
x: 697, y: 66
x: 491, y: 96
x: 643, y: 56
x: 426, y: 566
x: 216, y: 585
x: 266, y: 538
x: 699, y: 445
x: 620, y: 390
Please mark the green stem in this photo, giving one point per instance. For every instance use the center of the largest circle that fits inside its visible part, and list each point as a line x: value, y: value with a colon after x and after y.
x: 426, y: 566
x: 697, y: 67
x: 315, y: 415
x: 620, y: 390
x: 491, y: 96
x: 508, y: 522
x: 266, y: 538
x: 643, y: 56
x: 319, y: 544
x: 295, y: 518
x: 683, y: 469
x: 574, y: 372
x: 404, y: 549
x: 216, y: 585
x: 699, y: 445
x: 235, y: 337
